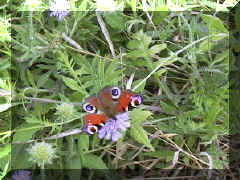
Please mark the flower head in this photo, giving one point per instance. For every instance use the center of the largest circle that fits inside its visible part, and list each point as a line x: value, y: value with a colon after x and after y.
x: 42, y: 153
x: 21, y: 175
x: 111, y: 129
x: 32, y: 5
x: 64, y: 111
x: 59, y: 9
x: 106, y: 5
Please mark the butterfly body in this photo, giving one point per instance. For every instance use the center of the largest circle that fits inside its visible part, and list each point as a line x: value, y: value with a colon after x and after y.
x: 106, y: 104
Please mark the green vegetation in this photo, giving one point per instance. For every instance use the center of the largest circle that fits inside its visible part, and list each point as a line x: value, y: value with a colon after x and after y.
x: 179, y: 55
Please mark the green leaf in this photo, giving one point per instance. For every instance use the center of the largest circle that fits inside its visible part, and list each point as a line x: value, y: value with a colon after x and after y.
x: 25, y: 132
x: 30, y: 78
x: 168, y: 108
x: 71, y: 83
x: 137, y: 54
x: 141, y: 87
x: 208, y: 44
x: 5, y: 150
x: 115, y: 20
x: 143, y: 38
x: 160, y: 14
x: 236, y: 19
x: 43, y: 79
x: 140, y: 135
x: 138, y: 115
x: 93, y: 162
x: 133, y: 44
x: 157, y: 48
x: 74, y: 163
x: 20, y: 156
x: 214, y: 24
x: 83, y: 143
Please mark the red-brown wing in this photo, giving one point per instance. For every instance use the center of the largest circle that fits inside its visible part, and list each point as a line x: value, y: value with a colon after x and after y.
x: 106, y: 101
x: 94, y: 119
x: 124, y: 101
x: 93, y: 101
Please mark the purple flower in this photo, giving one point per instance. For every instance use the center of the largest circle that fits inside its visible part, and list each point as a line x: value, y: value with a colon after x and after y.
x: 111, y: 129
x: 21, y: 175
x: 59, y: 9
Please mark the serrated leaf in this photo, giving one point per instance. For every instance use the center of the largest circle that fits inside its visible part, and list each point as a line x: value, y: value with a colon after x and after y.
x: 138, y: 115
x: 140, y: 135
x: 93, y: 162
x: 43, y: 79
x: 71, y: 83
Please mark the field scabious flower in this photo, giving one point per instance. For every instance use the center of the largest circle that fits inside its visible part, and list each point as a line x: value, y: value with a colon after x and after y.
x: 111, y: 129
x: 106, y: 5
x: 21, y: 175
x: 42, y: 153
x: 59, y: 9
x: 64, y: 111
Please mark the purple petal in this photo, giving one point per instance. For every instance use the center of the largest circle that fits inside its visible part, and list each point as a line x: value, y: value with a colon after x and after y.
x: 101, y: 133
x: 111, y: 129
x: 21, y: 175
x: 116, y: 136
x: 123, y: 116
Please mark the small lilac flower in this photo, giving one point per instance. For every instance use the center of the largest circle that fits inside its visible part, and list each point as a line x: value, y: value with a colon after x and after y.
x: 110, y: 129
x: 59, y: 9
x: 21, y: 175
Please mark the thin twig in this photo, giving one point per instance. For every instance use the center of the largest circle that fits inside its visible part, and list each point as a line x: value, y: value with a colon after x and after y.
x: 145, y: 5
x: 180, y: 149
x: 44, y: 100
x: 105, y: 33
x: 71, y: 41
x: 57, y: 136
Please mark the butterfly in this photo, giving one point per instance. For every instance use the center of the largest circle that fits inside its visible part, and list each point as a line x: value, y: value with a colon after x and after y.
x: 106, y: 104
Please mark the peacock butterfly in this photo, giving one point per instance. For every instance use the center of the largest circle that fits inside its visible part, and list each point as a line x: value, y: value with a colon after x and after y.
x: 109, y: 102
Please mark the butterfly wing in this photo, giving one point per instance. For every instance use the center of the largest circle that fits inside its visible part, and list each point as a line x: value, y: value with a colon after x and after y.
x: 95, y: 119
x: 106, y: 101
x: 124, y: 101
